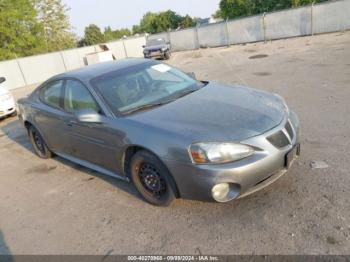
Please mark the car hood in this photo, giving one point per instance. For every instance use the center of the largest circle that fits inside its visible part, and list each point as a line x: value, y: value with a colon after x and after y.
x: 155, y: 47
x: 217, y: 113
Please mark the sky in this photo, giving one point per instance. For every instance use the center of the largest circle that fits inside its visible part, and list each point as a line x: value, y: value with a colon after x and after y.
x: 126, y: 13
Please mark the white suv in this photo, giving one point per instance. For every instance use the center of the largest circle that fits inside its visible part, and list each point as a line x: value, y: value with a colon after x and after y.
x: 7, y: 103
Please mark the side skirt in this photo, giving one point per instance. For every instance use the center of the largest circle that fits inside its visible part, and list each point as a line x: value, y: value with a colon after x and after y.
x: 92, y: 166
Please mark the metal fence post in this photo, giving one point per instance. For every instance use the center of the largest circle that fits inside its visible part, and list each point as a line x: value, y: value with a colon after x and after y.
x: 312, y: 18
x: 196, y: 37
x: 125, y: 52
x: 169, y: 36
x: 64, y: 63
x: 227, y: 34
x: 20, y: 69
x: 264, y: 26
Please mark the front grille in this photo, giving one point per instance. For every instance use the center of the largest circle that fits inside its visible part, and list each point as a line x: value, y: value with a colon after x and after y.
x: 278, y: 139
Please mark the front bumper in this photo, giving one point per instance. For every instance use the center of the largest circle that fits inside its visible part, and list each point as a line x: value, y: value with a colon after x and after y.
x: 7, y: 107
x: 158, y: 53
x: 247, y: 175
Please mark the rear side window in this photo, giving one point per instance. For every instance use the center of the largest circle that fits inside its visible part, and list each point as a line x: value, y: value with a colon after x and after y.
x: 51, y: 94
x: 77, y: 97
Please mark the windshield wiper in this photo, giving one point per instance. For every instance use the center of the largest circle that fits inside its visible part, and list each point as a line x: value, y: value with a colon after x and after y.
x: 147, y: 106
x: 186, y: 92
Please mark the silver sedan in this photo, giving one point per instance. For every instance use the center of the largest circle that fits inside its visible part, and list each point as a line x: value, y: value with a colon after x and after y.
x: 171, y: 135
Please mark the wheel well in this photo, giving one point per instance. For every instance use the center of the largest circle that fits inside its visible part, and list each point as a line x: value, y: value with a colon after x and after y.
x: 132, y: 150
x: 129, y: 152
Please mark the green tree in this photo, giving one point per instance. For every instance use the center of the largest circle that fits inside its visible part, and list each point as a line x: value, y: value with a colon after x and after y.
x: 187, y: 21
x: 296, y: 3
x: 110, y: 34
x: 233, y: 8
x: 158, y: 22
x: 237, y: 8
x: 57, y: 28
x: 93, y: 35
x: 20, y: 32
x: 136, y: 29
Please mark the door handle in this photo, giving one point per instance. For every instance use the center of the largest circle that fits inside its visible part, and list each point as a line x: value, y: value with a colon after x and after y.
x: 71, y: 122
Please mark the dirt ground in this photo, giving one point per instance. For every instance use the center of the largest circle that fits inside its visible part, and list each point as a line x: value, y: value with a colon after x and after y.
x: 56, y: 207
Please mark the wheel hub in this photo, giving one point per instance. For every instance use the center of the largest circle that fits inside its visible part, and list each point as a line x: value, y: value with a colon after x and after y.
x: 151, y: 179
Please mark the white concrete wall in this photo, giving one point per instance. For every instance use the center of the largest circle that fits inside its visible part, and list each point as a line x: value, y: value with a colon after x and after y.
x: 134, y: 47
x: 72, y: 59
x: 289, y: 23
x: 330, y: 17
x: 213, y: 35
x: 117, y: 49
x: 12, y: 72
x: 183, y: 40
x: 39, y: 68
x: 327, y: 17
x: 164, y: 35
x: 245, y: 30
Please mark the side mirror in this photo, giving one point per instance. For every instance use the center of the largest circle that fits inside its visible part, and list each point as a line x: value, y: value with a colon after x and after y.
x: 192, y: 75
x: 2, y: 79
x: 88, y: 116
x: 143, y: 46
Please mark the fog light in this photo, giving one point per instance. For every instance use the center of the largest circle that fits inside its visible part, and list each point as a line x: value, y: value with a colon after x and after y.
x: 225, y: 192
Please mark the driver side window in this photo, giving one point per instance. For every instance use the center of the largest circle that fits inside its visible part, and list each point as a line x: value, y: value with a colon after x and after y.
x: 78, y: 97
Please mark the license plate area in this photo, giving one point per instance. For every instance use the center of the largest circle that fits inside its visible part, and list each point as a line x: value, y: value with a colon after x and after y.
x: 291, y: 155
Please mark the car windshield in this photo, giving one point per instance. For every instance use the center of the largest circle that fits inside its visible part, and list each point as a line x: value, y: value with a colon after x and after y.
x: 154, y: 42
x: 144, y: 85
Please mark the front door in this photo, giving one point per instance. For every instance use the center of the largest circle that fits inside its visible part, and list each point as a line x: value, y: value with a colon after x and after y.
x: 90, y: 142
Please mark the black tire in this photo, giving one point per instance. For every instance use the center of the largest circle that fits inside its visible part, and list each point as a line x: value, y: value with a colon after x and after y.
x: 152, y: 179
x: 38, y: 143
x: 167, y: 55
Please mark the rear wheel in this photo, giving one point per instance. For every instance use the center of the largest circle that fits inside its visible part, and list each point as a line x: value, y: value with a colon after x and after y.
x: 167, y: 55
x: 38, y: 143
x: 152, y: 179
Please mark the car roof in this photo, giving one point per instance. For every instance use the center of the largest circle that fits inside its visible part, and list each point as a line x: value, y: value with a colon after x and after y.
x: 89, y: 72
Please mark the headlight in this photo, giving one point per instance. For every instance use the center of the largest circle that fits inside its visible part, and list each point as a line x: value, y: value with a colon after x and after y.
x: 164, y: 49
x: 218, y: 153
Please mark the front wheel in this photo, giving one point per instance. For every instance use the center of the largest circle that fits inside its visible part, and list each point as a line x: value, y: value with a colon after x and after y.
x: 38, y: 143
x: 151, y: 179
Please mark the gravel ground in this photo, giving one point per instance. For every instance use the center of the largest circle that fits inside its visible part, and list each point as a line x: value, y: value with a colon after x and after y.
x: 56, y: 207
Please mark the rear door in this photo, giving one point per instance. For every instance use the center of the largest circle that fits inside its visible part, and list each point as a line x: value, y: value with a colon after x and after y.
x: 94, y: 143
x: 50, y: 117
